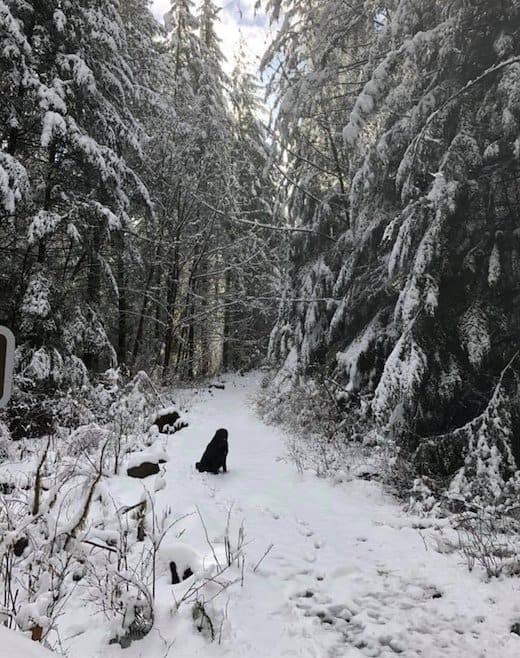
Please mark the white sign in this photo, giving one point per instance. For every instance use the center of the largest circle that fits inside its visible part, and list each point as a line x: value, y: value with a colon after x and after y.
x: 6, y: 365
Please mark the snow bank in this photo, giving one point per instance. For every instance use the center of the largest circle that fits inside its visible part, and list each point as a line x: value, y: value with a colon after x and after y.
x: 16, y: 645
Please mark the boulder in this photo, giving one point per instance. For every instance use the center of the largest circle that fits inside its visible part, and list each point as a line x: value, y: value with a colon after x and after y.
x: 166, y: 420
x: 143, y: 470
x: 175, y: 576
x: 20, y: 545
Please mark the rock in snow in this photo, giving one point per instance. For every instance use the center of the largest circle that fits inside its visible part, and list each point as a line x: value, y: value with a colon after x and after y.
x: 143, y: 470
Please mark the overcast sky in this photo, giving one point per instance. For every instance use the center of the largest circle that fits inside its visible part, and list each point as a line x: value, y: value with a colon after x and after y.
x: 237, y: 17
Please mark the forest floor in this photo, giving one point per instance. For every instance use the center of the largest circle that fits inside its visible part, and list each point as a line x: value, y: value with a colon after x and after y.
x: 347, y: 572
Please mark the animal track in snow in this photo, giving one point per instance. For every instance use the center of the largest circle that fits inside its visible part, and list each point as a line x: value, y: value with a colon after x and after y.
x: 305, y: 530
x: 401, y: 618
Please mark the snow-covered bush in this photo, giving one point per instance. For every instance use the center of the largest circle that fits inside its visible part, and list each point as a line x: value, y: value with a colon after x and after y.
x: 489, y: 540
x: 86, y: 438
x: 126, y: 600
x: 423, y: 497
x: 6, y: 451
x: 328, y: 430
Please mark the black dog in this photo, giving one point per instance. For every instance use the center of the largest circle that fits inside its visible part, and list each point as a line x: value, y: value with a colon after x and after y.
x: 215, y: 454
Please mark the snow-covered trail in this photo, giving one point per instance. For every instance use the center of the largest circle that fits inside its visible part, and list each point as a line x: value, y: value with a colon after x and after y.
x: 348, y: 574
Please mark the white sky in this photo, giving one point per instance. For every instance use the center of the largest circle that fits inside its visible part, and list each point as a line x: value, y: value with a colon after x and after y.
x: 237, y: 18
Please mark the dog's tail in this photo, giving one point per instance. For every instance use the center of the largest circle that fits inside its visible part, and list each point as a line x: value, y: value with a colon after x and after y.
x: 197, y: 466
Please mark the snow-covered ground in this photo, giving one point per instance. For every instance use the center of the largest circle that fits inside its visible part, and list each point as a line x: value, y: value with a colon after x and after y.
x: 15, y: 645
x: 349, y: 574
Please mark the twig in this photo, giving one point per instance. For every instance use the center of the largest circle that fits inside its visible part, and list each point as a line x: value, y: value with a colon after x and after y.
x: 82, y: 518
x: 37, y: 481
x: 105, y: 548
x: 270, y: 227
x: 266, y: 553
x: 208, y: 539
x: 151, y: 384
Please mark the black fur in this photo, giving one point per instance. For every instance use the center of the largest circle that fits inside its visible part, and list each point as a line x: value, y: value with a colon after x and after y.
x: 215, y: 454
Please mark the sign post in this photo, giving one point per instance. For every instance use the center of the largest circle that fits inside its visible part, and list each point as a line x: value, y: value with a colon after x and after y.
x: 6, y: 365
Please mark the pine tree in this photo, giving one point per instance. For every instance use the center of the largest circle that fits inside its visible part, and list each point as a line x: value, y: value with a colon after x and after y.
x: 74, y: 142
x: 255, y: 252
x: 423, y: 313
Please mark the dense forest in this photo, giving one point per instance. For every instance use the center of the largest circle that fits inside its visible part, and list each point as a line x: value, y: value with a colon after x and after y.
x: 151, y: 219
x: 132, y: 178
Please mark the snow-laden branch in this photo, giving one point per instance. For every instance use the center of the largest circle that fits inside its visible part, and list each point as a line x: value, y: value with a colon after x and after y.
x: 457, y: 94
x: 270, y: 227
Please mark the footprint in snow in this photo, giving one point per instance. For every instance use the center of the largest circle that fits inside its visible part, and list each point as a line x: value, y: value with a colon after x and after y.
x: 305, y: 532
x: 305, y: 528
x: 291, y: 575
x: 394, y: 617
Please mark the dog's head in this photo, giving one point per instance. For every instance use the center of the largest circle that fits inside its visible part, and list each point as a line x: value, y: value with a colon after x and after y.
x: 221, y: 434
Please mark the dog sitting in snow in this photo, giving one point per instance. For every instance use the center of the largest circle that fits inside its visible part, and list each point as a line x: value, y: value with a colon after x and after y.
x: 215, y: 454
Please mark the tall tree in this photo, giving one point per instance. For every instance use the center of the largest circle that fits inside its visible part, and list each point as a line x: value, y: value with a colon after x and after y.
x: 250, y: 281
x: 421, y: 289
x: 74, y: 143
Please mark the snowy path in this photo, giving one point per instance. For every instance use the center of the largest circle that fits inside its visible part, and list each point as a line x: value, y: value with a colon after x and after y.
x: 348, y: 575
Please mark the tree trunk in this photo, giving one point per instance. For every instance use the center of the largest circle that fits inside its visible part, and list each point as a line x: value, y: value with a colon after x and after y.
x: 91, y: 357
x: 171, y: 299
x: 122, y: 337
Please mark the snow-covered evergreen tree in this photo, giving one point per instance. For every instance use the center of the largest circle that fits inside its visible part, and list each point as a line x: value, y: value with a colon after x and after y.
x: 71, y: 149
x: 422, y: 313
x: 255, y: 251
x: 202, y: 256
